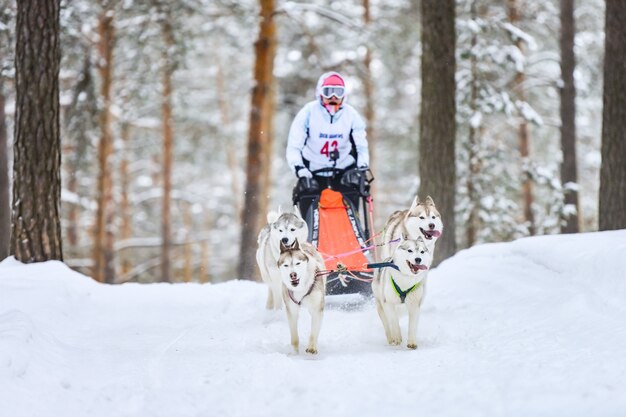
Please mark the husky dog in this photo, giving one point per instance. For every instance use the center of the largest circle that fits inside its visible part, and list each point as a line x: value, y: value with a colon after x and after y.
x: 422, y: 219
x: 406, y: 285
x: 282, y: 229
x: 299, y: 266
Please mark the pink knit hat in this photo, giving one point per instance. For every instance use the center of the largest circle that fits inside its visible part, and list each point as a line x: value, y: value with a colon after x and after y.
x: 333, y: 79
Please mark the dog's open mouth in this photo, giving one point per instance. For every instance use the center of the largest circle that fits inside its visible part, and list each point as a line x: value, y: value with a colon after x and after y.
x: 429, y: 234
x: 294, y: 280
x: 415, y: 268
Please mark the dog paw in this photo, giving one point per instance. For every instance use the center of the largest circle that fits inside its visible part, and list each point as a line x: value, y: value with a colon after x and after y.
x: 311, y: 350
x: 412, y: 345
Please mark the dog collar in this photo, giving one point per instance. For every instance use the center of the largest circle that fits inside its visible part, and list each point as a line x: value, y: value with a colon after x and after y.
x: 402, y: 294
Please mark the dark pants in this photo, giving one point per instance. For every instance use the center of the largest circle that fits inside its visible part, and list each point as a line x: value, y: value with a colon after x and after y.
x: 306, y: 197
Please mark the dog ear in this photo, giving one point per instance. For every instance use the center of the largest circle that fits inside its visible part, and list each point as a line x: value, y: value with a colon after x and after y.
x: 296, y: 245
x: 429, y: 201
x: 272, y: 216
x: 404, y: 236
x: 283, y: 247
x: 296, y: 211
x: 415, y: 202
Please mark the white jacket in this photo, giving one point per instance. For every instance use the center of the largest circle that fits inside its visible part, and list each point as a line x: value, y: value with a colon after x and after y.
x: 314, y: 133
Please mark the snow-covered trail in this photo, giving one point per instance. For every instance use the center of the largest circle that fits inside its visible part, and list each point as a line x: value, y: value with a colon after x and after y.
x: 529, y: 328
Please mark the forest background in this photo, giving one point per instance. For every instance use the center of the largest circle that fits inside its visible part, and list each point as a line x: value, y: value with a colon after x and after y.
x: 174, y: 119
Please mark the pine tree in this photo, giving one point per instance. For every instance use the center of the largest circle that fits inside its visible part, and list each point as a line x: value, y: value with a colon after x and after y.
x: 259, y: 139
x: 36, y: 225
x: 568, y: 116
x: 437, y: 165
x: 613, y: 170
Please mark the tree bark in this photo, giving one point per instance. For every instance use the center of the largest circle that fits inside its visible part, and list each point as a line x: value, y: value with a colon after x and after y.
x: 5, y: 202
x: 437, y: 119
x: 522, y: 133
x: 78, y: 122
x: 168, y: 139
x: 103, y: 269
x: 474, y: 169
x: 568, y: 114
x: 36, y: 225
x: 125, y: 209
x: 368, y: 90
x: 265, y: 50
x: 612, y: 213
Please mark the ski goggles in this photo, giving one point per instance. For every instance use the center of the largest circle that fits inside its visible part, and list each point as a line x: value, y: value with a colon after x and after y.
x: 329, y: 91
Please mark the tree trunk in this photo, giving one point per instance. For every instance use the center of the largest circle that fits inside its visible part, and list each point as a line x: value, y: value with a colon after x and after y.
x: 474, y: 169
x: 5, y: 202
x: 522, y: 132
x: 188, y: 248
x: 78, y: 122
x: 438, y: 127
x: 268, y: 131
x: 368, y: 90
x: 612, y: 211
x: 568, y: 114
x: 103, y: 268
x: 168, y: 139
x: 36, y: 225
x: 265, y: 50
x: 205, y: 271
x: 125, y: 209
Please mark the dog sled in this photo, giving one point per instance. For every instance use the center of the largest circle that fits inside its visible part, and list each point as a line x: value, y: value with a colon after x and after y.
x: 339, y: 216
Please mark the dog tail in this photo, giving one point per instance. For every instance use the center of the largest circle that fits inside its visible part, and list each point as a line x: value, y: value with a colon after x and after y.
x: 272, y: 216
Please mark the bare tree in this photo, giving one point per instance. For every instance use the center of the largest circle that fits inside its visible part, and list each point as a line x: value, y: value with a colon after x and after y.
x: 259, y: 139
x: 5, y: 203
x: 474, y: 137
x: 168, y: 140
x: 523, y: 133
x: 568, y: 114
x: 368, y: 87
x: 437, y: 119
x: 103, y: 268
x: 36, y: 224
x: 613, y: 170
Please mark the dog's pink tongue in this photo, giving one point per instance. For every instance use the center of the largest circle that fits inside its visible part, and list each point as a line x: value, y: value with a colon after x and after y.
x: 435, y: 233
x: 422, y: 267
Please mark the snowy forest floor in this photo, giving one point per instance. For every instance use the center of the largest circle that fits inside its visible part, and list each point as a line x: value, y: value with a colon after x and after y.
x: 534, y: 327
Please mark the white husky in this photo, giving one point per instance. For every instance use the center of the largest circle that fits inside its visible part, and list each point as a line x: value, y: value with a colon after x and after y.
x: 303, y: 286
x: 406, y: 285
x: 422, y: 219
x: 283, y: 229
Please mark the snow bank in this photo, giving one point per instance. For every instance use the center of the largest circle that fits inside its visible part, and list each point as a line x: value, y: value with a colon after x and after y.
x: 528, y: 328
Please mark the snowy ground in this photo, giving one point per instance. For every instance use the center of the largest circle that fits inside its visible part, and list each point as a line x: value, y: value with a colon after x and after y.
x: 536, y: 327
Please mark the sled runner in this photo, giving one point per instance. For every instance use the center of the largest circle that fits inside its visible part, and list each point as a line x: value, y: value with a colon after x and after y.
x: 337, y: 214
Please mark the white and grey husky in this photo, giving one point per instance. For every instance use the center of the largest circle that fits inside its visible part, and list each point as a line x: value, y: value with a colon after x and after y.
x: 422, y: 219
x: 406, y: 285
x: 303, y: 286
x: 282, y: 229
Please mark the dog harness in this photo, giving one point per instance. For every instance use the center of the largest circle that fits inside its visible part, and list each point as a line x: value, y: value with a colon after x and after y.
x: 403, y: 294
